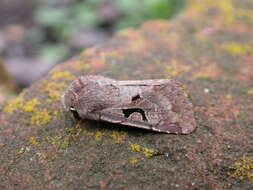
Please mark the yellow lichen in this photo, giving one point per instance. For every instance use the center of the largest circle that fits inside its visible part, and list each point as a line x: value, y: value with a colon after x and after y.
x: 225, y: 7
x: 30, y: 106
x: 238, y: 49
x: 82, y: 66
x: 34, y: 141
x: 134, y: 161
x: 146, y: 151
x: 149, y: 152
x: 66, y: 75
x: 229, y: 96
x: 53, y: 140
x: 202, y: 76
x: 66, y: 142
x: 79, y: 130
x: 15, y: 104
x: 56, y: 112
x: 84, y: 53
x: 125, y: 32
x: 40, y: 117
x: 118, y: 137
x: 98, y: 136
x: 243, y: 169
x: 245, y: 13
x: 172, y: 72
x: 135, y: 147
x: 21, y: 151
x: 228, y: 11
x: 200, y: 6
x: 54, y: 90
x: 250, y: 91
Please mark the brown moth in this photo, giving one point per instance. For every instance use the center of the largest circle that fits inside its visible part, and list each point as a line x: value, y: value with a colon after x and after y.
x: 159, y: 105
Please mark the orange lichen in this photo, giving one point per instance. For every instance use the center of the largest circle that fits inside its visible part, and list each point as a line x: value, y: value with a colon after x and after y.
x: 242, y: 169
x: 30, y: 106
x: 40, y: 117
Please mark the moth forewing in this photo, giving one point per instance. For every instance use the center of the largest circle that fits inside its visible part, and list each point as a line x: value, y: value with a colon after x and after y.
x: 158, y: 105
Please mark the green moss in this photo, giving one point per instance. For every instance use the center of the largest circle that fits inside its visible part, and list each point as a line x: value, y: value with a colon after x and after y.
x: 40, y: 117
x: 15, y: 104
x: 243, y: 169
x: 30, y: 106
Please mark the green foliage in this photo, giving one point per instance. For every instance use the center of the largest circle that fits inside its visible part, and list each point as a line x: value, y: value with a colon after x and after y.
x: 137, y: 12
x: 54, y: 52
x: 64, y: 22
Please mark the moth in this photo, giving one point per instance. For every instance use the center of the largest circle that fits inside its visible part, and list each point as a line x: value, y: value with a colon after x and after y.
x: 158, y: 105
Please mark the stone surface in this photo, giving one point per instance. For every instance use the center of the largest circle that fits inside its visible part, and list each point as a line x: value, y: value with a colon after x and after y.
x: 209, y: 49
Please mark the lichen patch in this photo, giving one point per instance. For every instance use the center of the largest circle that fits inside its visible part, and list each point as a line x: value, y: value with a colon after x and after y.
x: 40, y: 117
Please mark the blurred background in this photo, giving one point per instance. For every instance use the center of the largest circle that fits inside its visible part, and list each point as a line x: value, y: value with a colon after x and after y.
x: 37, y: 34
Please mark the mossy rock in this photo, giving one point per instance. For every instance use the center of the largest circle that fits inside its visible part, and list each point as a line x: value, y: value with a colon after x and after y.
x: 208, y: 49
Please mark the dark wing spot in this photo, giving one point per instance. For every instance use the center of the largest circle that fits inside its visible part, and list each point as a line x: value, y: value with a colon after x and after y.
x: 128, y: 112
x: 136, y: 97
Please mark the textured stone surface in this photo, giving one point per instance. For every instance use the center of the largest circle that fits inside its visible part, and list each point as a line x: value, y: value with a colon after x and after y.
x: 209, y: 49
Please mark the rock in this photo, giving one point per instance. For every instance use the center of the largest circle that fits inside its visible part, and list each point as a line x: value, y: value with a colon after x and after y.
x: 208, y: 49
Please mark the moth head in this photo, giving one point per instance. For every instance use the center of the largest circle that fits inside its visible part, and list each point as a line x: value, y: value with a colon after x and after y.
x: 70, y: 101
